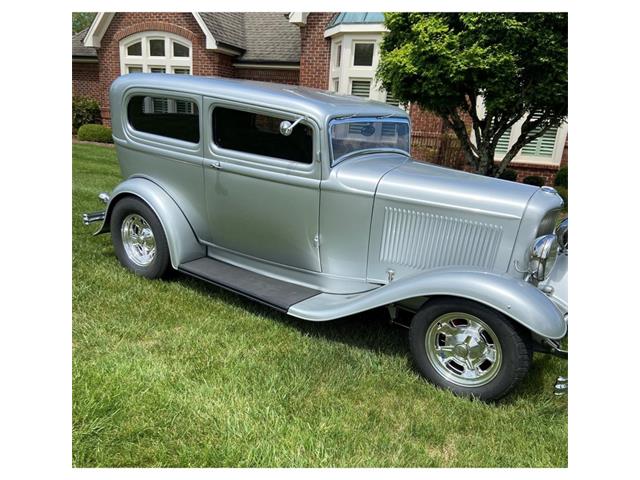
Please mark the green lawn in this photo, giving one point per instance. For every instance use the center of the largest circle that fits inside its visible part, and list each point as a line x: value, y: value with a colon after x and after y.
x: 180, y: 373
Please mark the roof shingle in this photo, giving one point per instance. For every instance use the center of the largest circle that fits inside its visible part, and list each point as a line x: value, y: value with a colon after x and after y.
x: 226, y: 27
x: 77, y: 47
x: 270, y: 37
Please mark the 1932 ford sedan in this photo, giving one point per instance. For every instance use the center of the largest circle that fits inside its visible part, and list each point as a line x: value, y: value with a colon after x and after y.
x: 310, y: 203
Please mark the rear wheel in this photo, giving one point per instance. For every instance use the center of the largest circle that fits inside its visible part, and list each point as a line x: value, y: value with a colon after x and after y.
x: 138, y: 238
x: 469, y: 348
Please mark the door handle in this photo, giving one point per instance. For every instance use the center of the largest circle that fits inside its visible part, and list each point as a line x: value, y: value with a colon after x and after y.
x: 215, y: 164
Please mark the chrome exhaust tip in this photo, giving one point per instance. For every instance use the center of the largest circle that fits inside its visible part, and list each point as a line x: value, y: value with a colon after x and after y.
x: 92, y: 217
x: 561, y: 387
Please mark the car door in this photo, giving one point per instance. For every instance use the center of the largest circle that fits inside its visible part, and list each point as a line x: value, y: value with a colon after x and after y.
x: 262, y: 188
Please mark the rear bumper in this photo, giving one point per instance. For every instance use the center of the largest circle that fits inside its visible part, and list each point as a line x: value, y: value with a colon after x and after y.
x: 93, y: 217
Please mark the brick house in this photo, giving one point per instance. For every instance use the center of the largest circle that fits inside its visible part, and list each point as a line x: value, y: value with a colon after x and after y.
x: 331, y: 51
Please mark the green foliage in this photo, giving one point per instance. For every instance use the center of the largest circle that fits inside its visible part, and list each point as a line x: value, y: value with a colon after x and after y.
x: 445, y: 62
x: 95, y: 133
x: 562, y: 178
x: 564, y: 193
x: 180, y: 373
x: 84, y: 110
x: 81, y: 20
x: 509, y: 174
x: 534, y: 180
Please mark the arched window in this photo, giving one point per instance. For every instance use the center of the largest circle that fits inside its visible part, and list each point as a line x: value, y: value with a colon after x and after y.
x: 155, y: 52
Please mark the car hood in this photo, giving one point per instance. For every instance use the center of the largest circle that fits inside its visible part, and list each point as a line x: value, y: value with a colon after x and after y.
x: 425, y: 184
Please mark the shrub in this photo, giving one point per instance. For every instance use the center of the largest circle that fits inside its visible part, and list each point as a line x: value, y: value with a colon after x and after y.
x: 564, y: 193
x: 509, y: 174
x: 95, y: 133
x: 84, y: 111
x: 534, y: 180
x: 562, y: 178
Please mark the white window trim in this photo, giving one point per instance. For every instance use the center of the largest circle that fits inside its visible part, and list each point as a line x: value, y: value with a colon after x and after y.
x: 344, y: 28
x: 361, y: 79
x: 554, y: 159
x: 337, y: 58
x: 558, y: 148
x: 347, y: 72
x: 146, y: 61
x: 353, y: 54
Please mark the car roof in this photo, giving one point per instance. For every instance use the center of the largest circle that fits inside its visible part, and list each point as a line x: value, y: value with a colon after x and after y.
x: 320, y: 104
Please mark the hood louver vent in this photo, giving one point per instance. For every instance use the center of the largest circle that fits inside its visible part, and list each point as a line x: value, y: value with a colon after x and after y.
x: 423, y: 240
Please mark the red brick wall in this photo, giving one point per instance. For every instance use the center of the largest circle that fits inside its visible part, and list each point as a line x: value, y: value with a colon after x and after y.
x: 315, y: 51
x: 291, y: 77
x: 85, y: 80
x: 548, y: 172
x: 205, y: 62
x: 423, y: 121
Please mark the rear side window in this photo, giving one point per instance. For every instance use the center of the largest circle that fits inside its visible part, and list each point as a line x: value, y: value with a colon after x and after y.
x: 260, y: 134
x: 168, y: 117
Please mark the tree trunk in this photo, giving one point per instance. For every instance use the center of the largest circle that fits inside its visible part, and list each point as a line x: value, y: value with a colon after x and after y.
x: 486, y: 166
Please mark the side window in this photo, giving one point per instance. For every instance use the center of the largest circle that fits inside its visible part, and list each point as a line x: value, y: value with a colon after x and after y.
x: 165, y: 116
x: 260, y: 134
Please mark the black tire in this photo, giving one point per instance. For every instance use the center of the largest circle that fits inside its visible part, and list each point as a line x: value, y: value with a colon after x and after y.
x: 160, y: 265
x: 501, y: 376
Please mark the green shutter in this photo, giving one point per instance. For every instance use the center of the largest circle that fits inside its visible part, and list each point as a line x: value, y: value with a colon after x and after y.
x: 391, y: 100
x: 542, y: 146
x: 360, y: 88
x: 503, y: 143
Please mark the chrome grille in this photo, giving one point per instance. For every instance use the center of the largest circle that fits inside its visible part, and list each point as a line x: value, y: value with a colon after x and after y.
x: 424, y: 240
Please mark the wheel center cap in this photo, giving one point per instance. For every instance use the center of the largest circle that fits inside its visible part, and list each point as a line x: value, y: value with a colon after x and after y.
x: 461, y: 350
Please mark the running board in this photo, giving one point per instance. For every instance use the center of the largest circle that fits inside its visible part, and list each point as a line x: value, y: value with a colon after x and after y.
x: 266, y: 290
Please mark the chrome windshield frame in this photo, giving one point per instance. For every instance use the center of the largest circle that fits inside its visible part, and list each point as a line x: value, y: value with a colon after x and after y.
x: 355, y: 119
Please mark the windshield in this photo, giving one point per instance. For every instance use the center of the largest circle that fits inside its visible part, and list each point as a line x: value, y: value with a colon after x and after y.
x: 352, y: 135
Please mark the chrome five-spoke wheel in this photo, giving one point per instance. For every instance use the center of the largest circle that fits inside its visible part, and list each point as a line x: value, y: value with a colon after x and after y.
x: 469, y: 348
x: 138, y: 240
x: 463, y: 349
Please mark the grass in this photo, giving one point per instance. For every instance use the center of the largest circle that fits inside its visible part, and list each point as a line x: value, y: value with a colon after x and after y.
x: 180, y: 373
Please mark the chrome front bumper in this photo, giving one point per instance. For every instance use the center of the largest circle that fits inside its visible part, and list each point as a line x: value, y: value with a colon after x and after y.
x: 561, y: 387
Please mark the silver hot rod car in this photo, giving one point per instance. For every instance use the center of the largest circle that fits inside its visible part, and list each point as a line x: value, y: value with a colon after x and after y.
x: 309, y: 202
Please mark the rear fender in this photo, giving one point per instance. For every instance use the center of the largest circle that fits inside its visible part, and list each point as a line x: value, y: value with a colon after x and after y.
x: 516, y: 299
x: 181, y: 239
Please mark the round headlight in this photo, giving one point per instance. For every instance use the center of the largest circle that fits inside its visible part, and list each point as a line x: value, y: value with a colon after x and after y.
x: 544, y: 252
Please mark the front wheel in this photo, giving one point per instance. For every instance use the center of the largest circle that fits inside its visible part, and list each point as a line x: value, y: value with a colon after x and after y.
x: 469, y: 348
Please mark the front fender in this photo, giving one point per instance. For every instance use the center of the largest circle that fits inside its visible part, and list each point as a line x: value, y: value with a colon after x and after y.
x: 181, y: 239
x: 517, y: 299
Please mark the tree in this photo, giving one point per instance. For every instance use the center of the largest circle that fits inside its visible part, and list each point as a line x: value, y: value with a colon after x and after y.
x: 492, y: 68
x: 81, y: 20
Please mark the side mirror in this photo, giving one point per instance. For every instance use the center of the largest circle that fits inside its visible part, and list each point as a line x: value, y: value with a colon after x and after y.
x: 286, y: 127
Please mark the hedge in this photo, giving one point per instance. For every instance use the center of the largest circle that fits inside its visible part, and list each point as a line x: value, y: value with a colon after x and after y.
x: 562, y: 178
x: 564, y: 193
x: 534, y: 180
x: 84, y: 111
x: 95, y: 133
x: 509, y: 174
